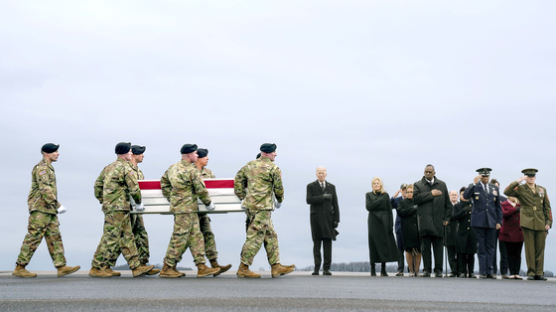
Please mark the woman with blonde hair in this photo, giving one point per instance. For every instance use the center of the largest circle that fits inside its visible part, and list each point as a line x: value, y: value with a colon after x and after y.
x: 407, y: 210
x: 382, y: 246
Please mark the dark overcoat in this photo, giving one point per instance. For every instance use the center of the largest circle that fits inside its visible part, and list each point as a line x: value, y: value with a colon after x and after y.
x: 382, y: 246
x: 325, y: 214
x: 407, y: 211
x: 450, y: 239
x: 466, y: 242
x: 432, y: 211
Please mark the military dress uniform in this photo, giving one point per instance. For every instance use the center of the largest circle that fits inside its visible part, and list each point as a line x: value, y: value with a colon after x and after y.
x: 264, y: 182
x: 534, y: 215
x: 181, y: 184
x: 117, y: 183
x: 486, y: 214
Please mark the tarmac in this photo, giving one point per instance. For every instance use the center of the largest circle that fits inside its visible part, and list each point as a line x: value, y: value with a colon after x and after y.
x: 299, y: 291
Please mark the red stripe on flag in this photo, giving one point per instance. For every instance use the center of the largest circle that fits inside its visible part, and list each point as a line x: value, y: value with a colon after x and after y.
x: 212, y: 184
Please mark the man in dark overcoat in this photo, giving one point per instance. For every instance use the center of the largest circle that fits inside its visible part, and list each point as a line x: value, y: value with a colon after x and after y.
x: 325, y: 216
x: 433, y: 212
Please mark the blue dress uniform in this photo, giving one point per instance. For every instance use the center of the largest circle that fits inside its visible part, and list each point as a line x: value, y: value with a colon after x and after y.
x: 484, y: 217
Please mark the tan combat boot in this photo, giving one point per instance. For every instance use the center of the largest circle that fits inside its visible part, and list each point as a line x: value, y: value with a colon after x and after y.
x: 278, y: 269
x: 114, y: 273
x: 214, y: 264
x: 20, y: 271
x: 203, y: 270
x: 170, y: 272
x: 244, y: 271
x: 142, y: 269
x: 65, y: 270
x: 154, y: 271
x: 96, y: 272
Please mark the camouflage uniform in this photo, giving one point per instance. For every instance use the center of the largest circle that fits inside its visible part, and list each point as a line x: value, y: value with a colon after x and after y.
x: 181, y: 184
x: 43, y: 222
x: 138, y: 229
x: 204, y: 222
x: 113, y: 188
x: 263, y: 179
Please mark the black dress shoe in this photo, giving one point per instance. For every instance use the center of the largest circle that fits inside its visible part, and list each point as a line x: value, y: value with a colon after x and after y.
x: 531, y: 278
x: 481, y: 276
x: 326, y: 273
x: 315, y: 273
x: 426, y: 274
x: 491, y: 276
x: 541, y: 278
x: 438, y: 274
x: 399, y: 274
x: 471, y: 276
x: 452, y: 275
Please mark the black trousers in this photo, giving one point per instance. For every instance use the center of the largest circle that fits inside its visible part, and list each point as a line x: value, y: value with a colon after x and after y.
x: 437, y: 246
x: 504, y: 265
x: 453, y: 259
x: 466, y: 264
x: 486, y: 243
x: 327, y: 246
x: 514, y: 256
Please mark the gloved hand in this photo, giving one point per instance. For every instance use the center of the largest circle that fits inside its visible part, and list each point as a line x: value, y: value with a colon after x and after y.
x: 62, y: 209
x: 140, y: 207
x: 211, y: 206
x: 327, y: 196
x: 277, y: 204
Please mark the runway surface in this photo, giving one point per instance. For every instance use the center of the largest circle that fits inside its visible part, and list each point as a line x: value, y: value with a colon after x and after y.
x: 298, y: 291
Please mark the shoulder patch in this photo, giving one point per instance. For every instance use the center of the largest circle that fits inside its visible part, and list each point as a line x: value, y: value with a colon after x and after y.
x: 43, y: 172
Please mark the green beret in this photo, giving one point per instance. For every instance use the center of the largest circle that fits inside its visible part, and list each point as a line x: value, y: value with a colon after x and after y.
x: 202, y: 152
x: 530, y: 172
x: 268, y: 147
x: 122, y: 148
x: 137, y: 149
x: 188, y: 148
x: 49, y: 148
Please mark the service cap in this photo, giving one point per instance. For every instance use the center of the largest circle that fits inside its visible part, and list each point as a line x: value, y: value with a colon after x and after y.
x: 530, y: 172
x: 485, y: 172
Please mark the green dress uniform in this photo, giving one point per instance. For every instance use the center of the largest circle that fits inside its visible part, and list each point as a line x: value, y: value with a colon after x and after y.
x: 43, y: 221
x: 113, y: 188
x: 181, y: 184
x: 204, y: 222
x: 264, y: 180
x: 534, y: 215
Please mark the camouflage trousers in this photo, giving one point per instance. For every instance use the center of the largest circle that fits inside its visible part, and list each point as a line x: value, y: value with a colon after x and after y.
x: 187, y: 233
x: 210, y: 243
x: 117, y: 237
x: 141, y: 240
x: 259, y: 231
x: 47, y: 226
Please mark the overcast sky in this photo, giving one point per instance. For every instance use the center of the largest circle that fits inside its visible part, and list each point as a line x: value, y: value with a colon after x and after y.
x: 364, y: 88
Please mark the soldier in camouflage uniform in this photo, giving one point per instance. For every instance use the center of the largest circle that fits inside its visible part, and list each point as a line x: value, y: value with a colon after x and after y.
x: 114, y: 187
x: 43, y: 220
x: 204, y: 220
x: 535, y: 218
x: 137, y: 224
x: 181, y: 184
x: 264, y: 181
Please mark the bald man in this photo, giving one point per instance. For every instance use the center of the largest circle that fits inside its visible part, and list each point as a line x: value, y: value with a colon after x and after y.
x: 325, y: 216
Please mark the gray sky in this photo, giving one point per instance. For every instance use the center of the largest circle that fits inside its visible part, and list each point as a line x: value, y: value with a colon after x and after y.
x: 365, y: 88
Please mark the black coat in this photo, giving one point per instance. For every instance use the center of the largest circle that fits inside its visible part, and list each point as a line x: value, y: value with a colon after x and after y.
x: 325, y: 214
x: 466, y: 242
x: 432, y: 211
x: 451, y: 229
x: 407, y: 211
x: 382, y: 246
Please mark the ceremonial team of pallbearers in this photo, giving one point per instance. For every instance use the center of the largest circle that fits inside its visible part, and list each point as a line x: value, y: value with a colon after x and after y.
x: 428, y: 219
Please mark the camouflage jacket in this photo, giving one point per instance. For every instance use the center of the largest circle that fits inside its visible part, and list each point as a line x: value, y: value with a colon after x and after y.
x: 206, y: 173
x: 138, y: 172
x: 263, y: 179
x: 115, y: 185
x: 43, y: 196
x: 182, y: 185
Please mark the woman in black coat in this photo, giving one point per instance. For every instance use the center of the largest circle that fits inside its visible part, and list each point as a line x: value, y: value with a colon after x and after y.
x: 407, y: 210
x: 466, y: 242
x: 382, y: 246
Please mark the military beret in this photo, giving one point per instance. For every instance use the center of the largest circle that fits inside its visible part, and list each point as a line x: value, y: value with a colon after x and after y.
x: 122, y: 148
x: 485, y: 172
x: 530, y: 172
x: 268, y: 147
x: 138, y: 149
x: 188, y: 148
x: 49, y: 148
x: 202, y: 152
x: 258, y: 156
